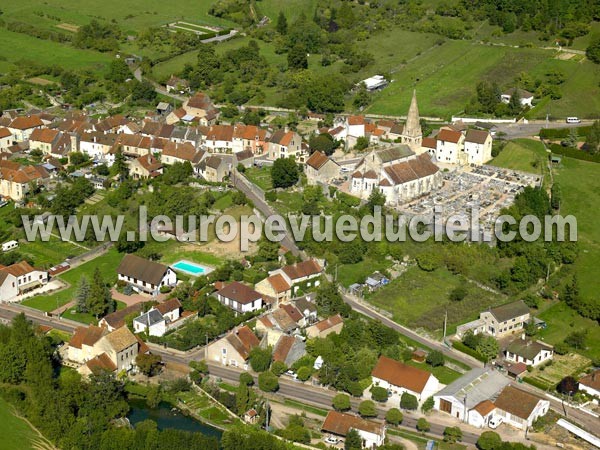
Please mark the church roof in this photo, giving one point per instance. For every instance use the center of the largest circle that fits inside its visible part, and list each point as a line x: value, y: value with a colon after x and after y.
x: 413, y: 123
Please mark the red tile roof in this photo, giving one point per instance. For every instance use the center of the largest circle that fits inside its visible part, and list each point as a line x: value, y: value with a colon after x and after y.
x: 168, y: 306
x: 26, y: 122
x: 240, y: 293
x: 429, y: 142
x: 477, y: 136
x: 4, y: 132
x: 87, y: 336
x: 356, y: 120
x: 278, y: 283
x: 328, y: 323
x: 283, y: 347
x: 449, y: 135
x: 485, y: 407
x: 317, y: 160
x: 45, y: 135
x: 401, y: 375
x: 101, y: 363
x: 339, y: 424
x: 302, y: 269
x: 592, y: 380
x: 243, y: 340
x: 517, y: 402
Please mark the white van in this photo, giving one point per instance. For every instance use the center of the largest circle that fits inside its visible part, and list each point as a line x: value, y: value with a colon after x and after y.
x: 573, y: 120
x: 10, y: 245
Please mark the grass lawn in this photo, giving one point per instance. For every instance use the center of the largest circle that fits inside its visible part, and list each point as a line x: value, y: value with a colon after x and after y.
x: 526, y: 155
x: 260, y: 176
x: 562, y: 321
x: 173, y: 251
x: 348, y: 274
x: 18, y: 47
x: 16, y: 433
x: 223, y: 202
x: 419, y: 299
x: 47, y: 254
x: 562, y: 366
x: 107, y: 264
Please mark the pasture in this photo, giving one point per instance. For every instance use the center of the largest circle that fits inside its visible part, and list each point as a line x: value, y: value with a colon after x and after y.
x: 16, y: 432
x: 523, y: 154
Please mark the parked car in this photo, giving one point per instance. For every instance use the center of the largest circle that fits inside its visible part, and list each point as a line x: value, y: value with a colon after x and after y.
x: 331, y: 440
x: 495, y: 422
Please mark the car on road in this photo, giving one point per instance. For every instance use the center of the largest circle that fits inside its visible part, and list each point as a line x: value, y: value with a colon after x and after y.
x: 495, y: 422
x: 331, y: 440
x: 573, y: 120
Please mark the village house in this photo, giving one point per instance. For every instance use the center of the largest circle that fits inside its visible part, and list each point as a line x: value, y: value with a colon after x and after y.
x: 144, y: 167
x: 307, y: 307
x: 200, y: 107
x: 302, y: 275
x: 529, y: 352
x: 519, y: 408
x: 477, y: 146
x: 16, y: 179
x: 22, y: 127
x: 498, y: 322
x: 339, y: 424
x: 468, y: 398
x: 18, y: 278
x: 186, y: 152
x: 525, y: 97
x: 8, y: 286
x: 321, y: 169
x: 591, y: 383
x: 159, y: 319
x: 233, y: 349
x: 249, y: 138
x: 284, y: 320
x: 289, y: 349
x: 251, y: 417
x: 179, y: 85
x: 400, y: 378
x: 354, y: 129
x: 144, y: 275
x: 212, y: 168
x: 116, y: 319
x: 449, y: 146
x: 96, y: 145
x: 219, y: 139
x: 333, y: 324
x: 6, y: 138
x: 275, y: 287
x: 245, y: 158
x: 50, y: 142
x: 284, y: 144
x: 240, y: 298
x: 133, y: 145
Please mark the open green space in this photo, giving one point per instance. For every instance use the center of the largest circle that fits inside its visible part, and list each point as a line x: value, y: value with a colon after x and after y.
x: 260, y: 176
x: 16, y: 433
x: 47, y: 254
x: 523, y: 154
x: 107, y: 264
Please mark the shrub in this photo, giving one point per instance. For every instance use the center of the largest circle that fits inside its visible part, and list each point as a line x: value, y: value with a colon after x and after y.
x: 246, y: 378
x: 428, y: 405
x: 379, y: 394
x: 435, y: 358
x: 394, y: 416
x: 409, y: 401
x: 469, y: 351
x: 304, y: 373
x: 453, y: 434
x: 422, y: 425
x: 268, y: 382
x: 278, y: 367
x: 341, y: 402
x: 367, y: 409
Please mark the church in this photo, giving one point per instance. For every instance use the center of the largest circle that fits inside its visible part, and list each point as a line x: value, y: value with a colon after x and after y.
x: 399, y: 172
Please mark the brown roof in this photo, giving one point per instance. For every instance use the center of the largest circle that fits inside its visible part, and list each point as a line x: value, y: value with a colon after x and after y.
x: 410, y: 170
x: 282, y: 137
x: 26, y: 122
x: 240, y: 293
x: 429, y: 142
x: 278, y: 283
x: 168, y: 306
x: 121, y: 338
x: 266, y: 321
x: 477, y: 136
x: 87, y: 335
x: 283, y: 347
x: 4, y: 132
x: 401, y: 375
x: 117, y: 318
x: 330, y: 322
x: 141, y: 269
x: 185, y: 151
x: 371, y: 174
x: 339, y: 423
x: 592, y: 380
x: 356, y: 120
x: 45, y: 135
x: 243, y: 340
x: 149, y: 162
x: 449, y: 135
x: 317, y: 160
x: 220, y: 133
x: 101, y: 363
x: 485, y: 407
x: 302, y: 269
x: 19, y: 269
x: 517, y: 402
x: 283, y: 320
x: 243, y: 155
x: 200, y: 101
x: 292, y: 311
x: 517, y: 369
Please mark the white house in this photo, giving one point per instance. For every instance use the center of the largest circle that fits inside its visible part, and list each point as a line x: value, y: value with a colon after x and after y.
x: 529, y: 352
x: 8, y: 286
x: 145, y: 276
x: 478, y: 146
x: 283, y: 144
x: 157, y: 320
x: 233, y: 349
x: 240, y: 298
x: 525, y: 97
x: 6, y: 138
x: 399, y: 378
x: 339, y: 424
x: 519, y: 408
x: 591, y: 383
x: 449, y: 145
x: 23, y: 275
x: 466, y: 398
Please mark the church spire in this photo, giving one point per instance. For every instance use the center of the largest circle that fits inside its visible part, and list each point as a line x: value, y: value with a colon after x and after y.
x: 412, y: 128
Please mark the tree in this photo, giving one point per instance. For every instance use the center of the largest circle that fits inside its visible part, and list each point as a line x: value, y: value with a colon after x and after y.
x: 246, y: 379
x: 362, y: 97
x: 143, y: 91
x: 260, y: 359
x: 458, y: 293
x: 100, y: 299
x: 243, y: 398
x: 323, y: 143
x: 353, y: 440
x: 488, y: 347
x: 592, y: 141
x: 576, y: 339
x: 268, y: 250
x: 304, y: 373
x: 282, y: 25
x: 422, y: 425
x: 489, y: 440
x: 341, y: 402
x: 409, y: 401
x: 452, y: 434
x: 394, y: 416
x: 284, y: 172
x: 297, y: 58
x: 488, y: 96
x: 427, y: 405
x: 376, y: 198
x: 278, y: 367
x: 153, y: 397
x: 593, y: 50
x: 83, y: 295
x: 361, y: 143
x: 118, y: 71
x: 120, y: 165
x: 514, y: 103
x: 568, y: 386
x: 366, y: 408
x: 435, y: 358
x: 148, y: 364
x: 268, y: 382
x: 379, y: 394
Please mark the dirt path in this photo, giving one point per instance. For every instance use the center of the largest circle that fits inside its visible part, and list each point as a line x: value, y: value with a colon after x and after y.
x: 40, y: 443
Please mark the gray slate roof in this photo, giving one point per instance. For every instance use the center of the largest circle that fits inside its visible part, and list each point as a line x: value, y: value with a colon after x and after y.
x: 477, y: 385
x: 150, y: 318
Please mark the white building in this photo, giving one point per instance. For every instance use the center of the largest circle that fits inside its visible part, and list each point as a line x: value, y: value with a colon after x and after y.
x: 240, y: 298
x: 478, y: 146
x: 157, y: 320
x: 449, y: 146
x: 339, y: 424
x: 591, y: 383
x: 525, y: 97
x: 18, y: 278
x: 145, y: 276
x: 400, y: 378
x: 528, y: 352
x: 519, y: 408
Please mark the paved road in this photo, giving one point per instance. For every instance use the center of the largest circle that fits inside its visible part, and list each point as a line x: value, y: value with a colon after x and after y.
x: 516, y: 130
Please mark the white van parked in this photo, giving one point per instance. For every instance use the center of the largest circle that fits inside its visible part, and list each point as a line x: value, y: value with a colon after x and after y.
x: 10, y: 245
x: 573, y: 120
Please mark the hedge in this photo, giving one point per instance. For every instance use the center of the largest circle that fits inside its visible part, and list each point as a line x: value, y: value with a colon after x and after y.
x: 574, y: 153
x: 537, y: 383
x: 469, y: 351
x: 560, y: 133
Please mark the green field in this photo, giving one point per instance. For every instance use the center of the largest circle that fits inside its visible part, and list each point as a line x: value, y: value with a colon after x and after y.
x: 260, y: 177
x: 523, y: 154
x: 16, y: 433
x: 48, y: 254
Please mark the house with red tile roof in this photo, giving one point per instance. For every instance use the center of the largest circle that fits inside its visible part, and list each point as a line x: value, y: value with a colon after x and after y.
x: 289, y: 349
x: 450, y: 145
x: 400, y: 378
x: 16, y: 179
x: 21, y: 127
x: 519, y: 408
x: 51, y: 142
x: 233, y: 349
x: 283, y: 144
x: 144, y: 167
x: 184, y: 152
x: 305, y: 274
x: 590, y: 383
x: 240, y: 297
x: 321, y: 169
x: 6, y: 138
x: 200, y: 107
x: 333, y: 324
x: 339, y: 424
x: 275, y: 286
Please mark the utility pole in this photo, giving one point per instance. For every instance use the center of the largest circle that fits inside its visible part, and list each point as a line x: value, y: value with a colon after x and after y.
x: 267, y: 416
x: 445, y: 325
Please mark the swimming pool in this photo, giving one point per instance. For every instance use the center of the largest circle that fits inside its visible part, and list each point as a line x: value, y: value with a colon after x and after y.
x: 191, y: 268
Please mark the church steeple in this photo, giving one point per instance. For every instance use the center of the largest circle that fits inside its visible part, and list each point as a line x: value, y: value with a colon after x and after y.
x: 412, y: 135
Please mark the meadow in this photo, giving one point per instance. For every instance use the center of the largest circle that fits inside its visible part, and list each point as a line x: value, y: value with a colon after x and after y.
x: 17, y: 434
x: 525, y: 155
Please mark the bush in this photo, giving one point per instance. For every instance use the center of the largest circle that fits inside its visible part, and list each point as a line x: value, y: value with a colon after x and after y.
x: 453, y: 434
x: 246, y: 378
x: 271, y: 196
x: 561, y: 348
x: 379, y: 394
x: 367, y: 409
x: 268, y: 382
x: 489, y: 440
x: 469, y: 351
x: 260, y: 359
x: 435, y: 358
x: 341, y: 402
x: 304, y: 373
x: 428, y: 405
x: 422, y: 425
x: 409, y: 401
x: 278, y: 367
x: 394, y: 416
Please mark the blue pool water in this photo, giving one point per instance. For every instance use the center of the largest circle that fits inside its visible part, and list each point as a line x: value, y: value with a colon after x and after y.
x: 190, y: 268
